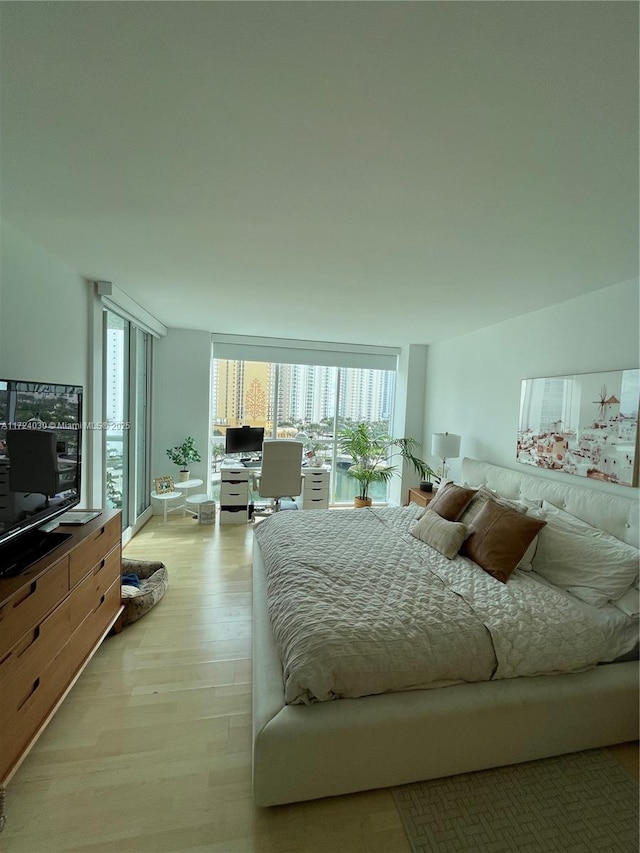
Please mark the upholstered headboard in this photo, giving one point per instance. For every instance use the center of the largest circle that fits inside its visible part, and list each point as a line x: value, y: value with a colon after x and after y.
x: 618, y: 516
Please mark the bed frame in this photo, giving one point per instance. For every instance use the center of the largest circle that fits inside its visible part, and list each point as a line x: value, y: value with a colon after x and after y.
x: 301, y: 752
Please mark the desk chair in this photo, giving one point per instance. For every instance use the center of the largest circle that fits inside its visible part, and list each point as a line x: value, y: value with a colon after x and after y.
x: 281, y: 476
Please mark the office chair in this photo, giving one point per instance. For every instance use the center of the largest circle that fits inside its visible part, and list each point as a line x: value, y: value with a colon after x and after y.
x: 34, y: 465
x: 281, y: 476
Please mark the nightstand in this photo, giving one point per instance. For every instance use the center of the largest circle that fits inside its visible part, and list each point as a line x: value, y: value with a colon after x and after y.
x: 420, y: 498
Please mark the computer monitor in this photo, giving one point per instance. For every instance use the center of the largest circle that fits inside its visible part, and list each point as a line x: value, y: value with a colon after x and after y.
x: 244, y: 439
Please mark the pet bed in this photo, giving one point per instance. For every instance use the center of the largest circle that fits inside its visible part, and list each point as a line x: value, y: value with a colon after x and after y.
x: 154, y: 580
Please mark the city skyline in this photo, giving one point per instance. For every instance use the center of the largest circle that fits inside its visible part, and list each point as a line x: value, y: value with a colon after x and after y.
x: 244, y: 392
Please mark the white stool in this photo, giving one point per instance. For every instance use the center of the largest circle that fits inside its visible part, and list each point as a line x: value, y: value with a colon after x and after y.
x: 194, y: 502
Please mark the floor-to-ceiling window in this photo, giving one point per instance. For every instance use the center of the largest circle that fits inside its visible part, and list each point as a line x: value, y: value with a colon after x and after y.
x: 116, y: 364
x: 126, y: 359
x: 310, y: 401
x: 141, y: 421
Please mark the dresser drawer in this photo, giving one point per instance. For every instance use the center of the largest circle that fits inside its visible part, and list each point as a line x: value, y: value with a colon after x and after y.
x: 104, y: 573
x: 316, y: 491
x: 316, y: 481
x: 235, y: 474
x: 234, y: 515
x: 83, y: 558
x: 31, y: 655
x: 25, y: 713
x: 84, y: 599
x: 102, y: 614
x: 25, y: 608
x: 22, y: 717
x: 233, y: 494
x: 315, y: 503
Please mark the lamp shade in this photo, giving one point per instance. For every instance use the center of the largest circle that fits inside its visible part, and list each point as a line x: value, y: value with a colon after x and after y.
x: 445, y: 445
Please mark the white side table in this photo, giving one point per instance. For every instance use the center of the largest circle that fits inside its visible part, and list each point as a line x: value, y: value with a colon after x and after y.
x: 165, y: 497
x: 184, y: 487
x: 194, y: 502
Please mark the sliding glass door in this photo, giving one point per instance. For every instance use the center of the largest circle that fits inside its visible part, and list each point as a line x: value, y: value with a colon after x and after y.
x: 116, y: 364
x: 126, y: 396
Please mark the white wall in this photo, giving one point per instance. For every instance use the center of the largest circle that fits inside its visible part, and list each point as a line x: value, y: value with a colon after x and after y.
x: 44, y: 314
x: 408, y: 419
x: 473, y: 381
x: 180, y: 406
x: 44, y: 321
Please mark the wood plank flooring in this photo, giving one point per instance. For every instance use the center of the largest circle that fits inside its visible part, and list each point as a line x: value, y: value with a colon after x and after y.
x: 151, y: 751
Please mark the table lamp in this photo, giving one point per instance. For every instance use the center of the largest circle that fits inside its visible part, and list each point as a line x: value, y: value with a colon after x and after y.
x: 445, y: 445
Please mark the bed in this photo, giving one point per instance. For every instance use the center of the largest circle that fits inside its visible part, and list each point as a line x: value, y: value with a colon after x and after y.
x: 305, y: 749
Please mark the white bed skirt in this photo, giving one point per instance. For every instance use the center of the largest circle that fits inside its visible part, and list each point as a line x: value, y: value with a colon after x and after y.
x: 303, y: 752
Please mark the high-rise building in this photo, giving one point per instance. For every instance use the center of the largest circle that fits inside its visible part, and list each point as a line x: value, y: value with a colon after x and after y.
x: 243, y: 392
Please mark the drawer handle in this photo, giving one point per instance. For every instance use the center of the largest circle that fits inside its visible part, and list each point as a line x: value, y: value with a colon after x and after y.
x: 34, y: 636
x: 98, y: 533
x: 36, y: 684
x: 28, y: 592
x: 100, y: 567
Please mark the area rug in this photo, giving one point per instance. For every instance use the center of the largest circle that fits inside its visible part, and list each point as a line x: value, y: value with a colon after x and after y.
x: 572, y: 803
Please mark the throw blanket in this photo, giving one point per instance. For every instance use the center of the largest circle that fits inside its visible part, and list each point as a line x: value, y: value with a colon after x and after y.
x: 359, y: 606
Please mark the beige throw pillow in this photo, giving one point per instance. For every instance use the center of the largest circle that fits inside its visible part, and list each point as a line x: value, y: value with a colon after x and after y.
x: 445, y: 536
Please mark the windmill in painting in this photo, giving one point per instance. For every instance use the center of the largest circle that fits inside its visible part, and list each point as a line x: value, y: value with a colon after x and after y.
x: 586, y: 424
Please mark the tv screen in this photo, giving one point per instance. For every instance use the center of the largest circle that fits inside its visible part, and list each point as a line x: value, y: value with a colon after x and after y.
x: 40, y: 455
x: 245, y: 439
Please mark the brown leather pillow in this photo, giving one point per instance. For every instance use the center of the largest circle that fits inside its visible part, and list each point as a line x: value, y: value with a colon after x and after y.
x: 499, y: 538
x: 451, y: 501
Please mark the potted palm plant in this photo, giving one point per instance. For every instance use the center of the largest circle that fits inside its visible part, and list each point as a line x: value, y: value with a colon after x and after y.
x: 372, y: 452
x: 183, y: 455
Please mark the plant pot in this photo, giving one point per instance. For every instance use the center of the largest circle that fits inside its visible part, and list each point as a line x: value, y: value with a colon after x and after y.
x: 426, y: 486
x: 360, y: 502
x: 183, y: 476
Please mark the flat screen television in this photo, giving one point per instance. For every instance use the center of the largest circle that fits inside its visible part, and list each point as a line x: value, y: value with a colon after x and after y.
x: 40, y: 466
x: 244, y: 439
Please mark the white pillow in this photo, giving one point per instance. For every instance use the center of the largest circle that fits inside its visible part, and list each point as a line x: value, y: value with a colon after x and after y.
x: 480, y: 498
x: 629, y: 603
x: 526, y: 563
x: 587, y: 562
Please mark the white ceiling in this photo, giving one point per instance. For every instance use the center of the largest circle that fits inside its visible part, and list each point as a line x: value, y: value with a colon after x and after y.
x: 368, y: 172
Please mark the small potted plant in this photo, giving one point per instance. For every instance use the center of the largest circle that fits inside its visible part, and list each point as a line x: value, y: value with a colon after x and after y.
x: 183, y: 455
x: 372, y: 452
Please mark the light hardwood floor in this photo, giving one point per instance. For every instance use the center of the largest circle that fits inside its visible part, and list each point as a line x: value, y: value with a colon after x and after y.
x: 150, y: 752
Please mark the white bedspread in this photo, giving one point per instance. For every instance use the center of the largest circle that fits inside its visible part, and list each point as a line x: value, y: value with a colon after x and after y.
x: 359, y: 606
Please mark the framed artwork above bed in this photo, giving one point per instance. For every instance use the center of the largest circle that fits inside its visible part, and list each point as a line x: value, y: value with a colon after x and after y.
x: 584, y: 424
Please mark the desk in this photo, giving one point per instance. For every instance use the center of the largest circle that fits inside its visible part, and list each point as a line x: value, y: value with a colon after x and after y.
x: 234, y: 490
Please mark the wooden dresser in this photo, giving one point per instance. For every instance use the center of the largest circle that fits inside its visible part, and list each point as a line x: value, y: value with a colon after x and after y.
x: 53, y: 618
